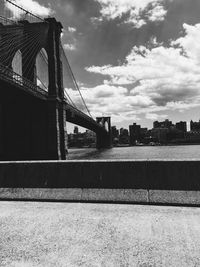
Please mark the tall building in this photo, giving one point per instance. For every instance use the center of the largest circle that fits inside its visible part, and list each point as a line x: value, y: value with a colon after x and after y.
x: 195, y: 126
x: 181, y: 126
x: 135, y: 133
x: 163, y: 124
x: 121, y: 131
x: 156, y: 124
x: 160, y: 134
x: 124, y: 136
x: 75, y: 130
x: 115, y: 132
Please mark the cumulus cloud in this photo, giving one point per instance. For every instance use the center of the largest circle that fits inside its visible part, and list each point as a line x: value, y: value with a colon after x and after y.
x: 157, y: 13
x: 165, y: 78
x: 71, y: 29
x: 30, y: 5
x: 138, y: 11
x: 110, y: 100
x: 154, y: 116
x: 69, y: 47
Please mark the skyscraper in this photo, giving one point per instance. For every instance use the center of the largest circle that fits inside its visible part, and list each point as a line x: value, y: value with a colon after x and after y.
x: 135, y: 133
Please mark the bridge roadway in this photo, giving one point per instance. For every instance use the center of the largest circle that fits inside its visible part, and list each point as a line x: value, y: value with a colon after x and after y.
x: 73, y: 115
x: 79, y: 234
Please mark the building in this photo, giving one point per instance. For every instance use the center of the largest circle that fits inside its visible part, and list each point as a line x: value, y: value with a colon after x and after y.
x: 181, y: 126
x: 160, y: 134
x: 163, y: 124
x: 76, y: 130
x: 124, y: 136
x: 135, y: 133
x: 115, y: 132
x: 115, y: 135
x: 195, y: 126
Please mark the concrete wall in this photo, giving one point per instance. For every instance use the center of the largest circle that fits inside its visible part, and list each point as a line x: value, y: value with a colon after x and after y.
x: 157, y: 181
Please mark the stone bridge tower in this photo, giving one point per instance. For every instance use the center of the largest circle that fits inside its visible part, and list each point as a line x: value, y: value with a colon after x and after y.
x: 104, y: 140
x: 32, y: 128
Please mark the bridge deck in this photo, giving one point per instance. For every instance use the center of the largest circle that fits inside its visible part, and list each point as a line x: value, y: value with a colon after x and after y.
x: 73, y: 114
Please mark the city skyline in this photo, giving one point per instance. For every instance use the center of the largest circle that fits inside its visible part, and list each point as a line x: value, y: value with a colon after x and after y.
x: 82, y: 130
x: 163, y: 133
x: 133, y: 60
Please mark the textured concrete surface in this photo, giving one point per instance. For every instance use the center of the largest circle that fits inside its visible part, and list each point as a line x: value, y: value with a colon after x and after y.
x: 74, y: 234
x: 76, y: 194
x: 103, y: 195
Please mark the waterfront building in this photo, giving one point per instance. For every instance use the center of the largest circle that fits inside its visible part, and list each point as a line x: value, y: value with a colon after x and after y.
x: 160, y: 134
x: 115, y: 135
x: 181, y: 126
x: 76, y: 130
x: 135, y: 133
x: 195, y: 126
x: 115, y: 132
x: 124, y: 136
x: 163, y: 124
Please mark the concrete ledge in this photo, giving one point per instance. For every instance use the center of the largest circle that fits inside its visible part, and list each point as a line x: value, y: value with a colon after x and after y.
x: 103, y: 195
x: 150, y: 181
x: 175, y: 197
x: 76, y: 194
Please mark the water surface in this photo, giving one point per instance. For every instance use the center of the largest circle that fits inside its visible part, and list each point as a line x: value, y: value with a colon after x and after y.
x: 138, y: 152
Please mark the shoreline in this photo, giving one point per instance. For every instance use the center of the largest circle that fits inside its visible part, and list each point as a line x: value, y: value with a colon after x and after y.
x: 126, y: 146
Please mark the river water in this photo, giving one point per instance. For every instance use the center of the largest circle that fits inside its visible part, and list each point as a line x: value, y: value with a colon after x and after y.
x: 137, y: 152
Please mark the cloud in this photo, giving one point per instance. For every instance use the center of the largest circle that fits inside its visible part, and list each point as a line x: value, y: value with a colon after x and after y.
x: 30, y: 5
x: 71, y: 29
x: 154, y: 116
x: 70, y: 47
x: 158, y: 13
x: 189, y: 43
x: 111, y: 101
x: 138, y: 11
x: 163, y: 78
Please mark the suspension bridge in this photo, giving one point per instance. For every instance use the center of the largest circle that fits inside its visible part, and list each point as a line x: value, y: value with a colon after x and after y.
x: 35, y: 85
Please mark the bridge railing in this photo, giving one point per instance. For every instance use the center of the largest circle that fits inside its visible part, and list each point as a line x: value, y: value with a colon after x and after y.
x: 12, y: 77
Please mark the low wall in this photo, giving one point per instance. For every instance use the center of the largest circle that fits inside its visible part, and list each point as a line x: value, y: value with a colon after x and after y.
x: 134, y: 181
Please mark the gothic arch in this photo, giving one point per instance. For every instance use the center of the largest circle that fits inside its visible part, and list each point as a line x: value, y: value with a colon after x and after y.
x: 17, y: 62
x: 41, y: 67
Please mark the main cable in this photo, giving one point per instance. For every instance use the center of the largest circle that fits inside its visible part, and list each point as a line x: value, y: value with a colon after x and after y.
x: 74, y: 80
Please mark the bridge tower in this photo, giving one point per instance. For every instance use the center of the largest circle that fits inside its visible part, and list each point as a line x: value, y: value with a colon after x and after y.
x: 104, y: 140
x: 56, y: 113
x: 32, y: 128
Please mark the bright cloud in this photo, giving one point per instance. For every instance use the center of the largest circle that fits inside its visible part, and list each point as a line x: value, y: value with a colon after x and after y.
x: 138, y: 11
x: 154, y: 116
x: 30, y: 5
x: 70, y: 47
x: 159, y: 78
x: 71, y: 29
x: 157, y: 13
x: 189, y: 42
x: 111, y: 101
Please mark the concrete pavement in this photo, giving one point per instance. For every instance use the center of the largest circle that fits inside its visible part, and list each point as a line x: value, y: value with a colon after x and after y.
x: 82, y: 234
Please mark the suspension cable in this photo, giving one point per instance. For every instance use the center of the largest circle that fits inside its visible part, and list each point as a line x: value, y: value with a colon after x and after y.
x: 74, y: 80
x: 24, y: 10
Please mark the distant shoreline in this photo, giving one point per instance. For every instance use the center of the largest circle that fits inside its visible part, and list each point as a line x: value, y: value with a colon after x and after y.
x: 121, y: 146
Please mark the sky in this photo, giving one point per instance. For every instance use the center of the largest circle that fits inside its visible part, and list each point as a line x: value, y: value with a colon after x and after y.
x: 134, y: 60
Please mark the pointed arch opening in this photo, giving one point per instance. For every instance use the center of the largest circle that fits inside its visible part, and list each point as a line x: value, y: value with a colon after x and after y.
x: 42, y: 74
x: 17, y: 63
x: 106, y: 126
